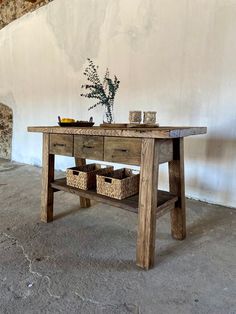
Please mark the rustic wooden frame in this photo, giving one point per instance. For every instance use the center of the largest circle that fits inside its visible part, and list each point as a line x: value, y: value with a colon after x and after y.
x: 145, y: 253
x: 164, y: 145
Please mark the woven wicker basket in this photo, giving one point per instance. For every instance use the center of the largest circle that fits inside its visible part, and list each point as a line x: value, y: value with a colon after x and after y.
x: 84, y: 177
x: 118, y: 184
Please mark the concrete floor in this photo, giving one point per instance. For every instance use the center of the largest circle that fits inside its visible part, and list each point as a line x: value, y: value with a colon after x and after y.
x: 84, y: 262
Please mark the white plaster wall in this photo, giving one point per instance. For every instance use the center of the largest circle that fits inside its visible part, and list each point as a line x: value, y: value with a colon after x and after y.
x: 176, y: 57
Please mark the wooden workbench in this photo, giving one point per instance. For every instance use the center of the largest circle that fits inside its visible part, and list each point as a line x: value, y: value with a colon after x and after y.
x: 145, y: 147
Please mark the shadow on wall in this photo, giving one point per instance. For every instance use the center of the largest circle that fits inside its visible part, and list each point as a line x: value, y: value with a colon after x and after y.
x: 6, y: 127
x: 216, y: 149
x: 216, y: 157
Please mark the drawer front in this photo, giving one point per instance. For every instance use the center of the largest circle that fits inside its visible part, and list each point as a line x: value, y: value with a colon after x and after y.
x: 61, y: 144
x: 88, y: 147
x: 123, y: 150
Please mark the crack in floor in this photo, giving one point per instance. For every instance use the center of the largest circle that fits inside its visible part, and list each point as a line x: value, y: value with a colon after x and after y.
x: 87, y: 300
x: 35, y: 273
x: 127, y: 305
x: 39, y: 275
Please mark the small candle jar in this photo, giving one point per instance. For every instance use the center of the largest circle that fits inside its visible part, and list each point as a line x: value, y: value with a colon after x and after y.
x: 149, y: 117
x: 135, y: 116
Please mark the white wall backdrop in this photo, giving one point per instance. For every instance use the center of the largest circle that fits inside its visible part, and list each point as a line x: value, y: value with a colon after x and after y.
x: 175, y: 57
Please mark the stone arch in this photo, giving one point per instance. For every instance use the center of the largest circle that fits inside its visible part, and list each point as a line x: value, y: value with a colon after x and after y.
x: 6, y: 129
x: 14, y: 9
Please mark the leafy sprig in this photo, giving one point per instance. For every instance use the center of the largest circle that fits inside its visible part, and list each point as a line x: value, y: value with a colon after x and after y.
x: 104, y: 91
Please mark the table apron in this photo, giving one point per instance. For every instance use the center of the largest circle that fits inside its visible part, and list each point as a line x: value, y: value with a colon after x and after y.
x: 112, y: 149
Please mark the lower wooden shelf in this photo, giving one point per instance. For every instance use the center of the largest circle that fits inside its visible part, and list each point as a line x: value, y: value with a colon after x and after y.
x: 166, y: 201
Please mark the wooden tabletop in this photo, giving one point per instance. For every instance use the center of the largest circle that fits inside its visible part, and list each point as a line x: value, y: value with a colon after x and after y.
x: 160, y: 132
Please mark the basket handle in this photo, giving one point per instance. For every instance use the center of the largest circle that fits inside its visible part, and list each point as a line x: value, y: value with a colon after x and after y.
x: 108, y: 180
x: 75, y: 173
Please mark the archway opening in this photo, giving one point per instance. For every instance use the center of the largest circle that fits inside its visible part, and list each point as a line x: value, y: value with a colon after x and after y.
x: 6, y: 129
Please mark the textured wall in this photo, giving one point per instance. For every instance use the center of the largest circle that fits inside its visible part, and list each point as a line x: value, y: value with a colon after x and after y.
x: 6, y: 121
x: 13, y: 9
x: 176, y: 57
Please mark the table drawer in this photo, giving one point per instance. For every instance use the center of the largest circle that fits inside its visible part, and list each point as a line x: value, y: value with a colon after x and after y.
x: 61, y: 144
x: 88, y: 147
x: 123, y: 150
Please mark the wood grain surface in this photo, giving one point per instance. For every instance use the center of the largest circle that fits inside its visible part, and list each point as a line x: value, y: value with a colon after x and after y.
x: 177, y: 186
x: 84, y: 202
x: 145, y: 252
x: 165, y: 201
x: 47, y: 178
x: 88, y: 146
x: 161, y: 132
x: 123, y: 150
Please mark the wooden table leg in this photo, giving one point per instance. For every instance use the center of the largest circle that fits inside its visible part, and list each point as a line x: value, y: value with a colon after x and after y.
x: 147, y: 203
x: 47, y: 178
x: 177, y: 186
x: 84, y: 202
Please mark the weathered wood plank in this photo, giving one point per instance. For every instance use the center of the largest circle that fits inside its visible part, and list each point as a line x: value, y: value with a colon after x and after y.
x: 123, y: 150
x: 161, y: 132
x: 61, y: 144
x: 165, y: 200
x: 47, y: 179
x: 177, y: 186
x: 88, y: 147
x: 145, y: 252
x: 84, y: 202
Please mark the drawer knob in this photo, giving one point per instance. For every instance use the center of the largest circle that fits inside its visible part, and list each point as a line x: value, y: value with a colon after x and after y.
x: 86, y: 146
x: 60, y: 145
x: 122, y: 150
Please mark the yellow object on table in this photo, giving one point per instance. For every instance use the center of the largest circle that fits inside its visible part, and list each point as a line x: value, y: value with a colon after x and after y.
x: 67, y: 120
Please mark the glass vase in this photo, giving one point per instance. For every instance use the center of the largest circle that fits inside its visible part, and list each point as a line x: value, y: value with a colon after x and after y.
x: 108, y: 114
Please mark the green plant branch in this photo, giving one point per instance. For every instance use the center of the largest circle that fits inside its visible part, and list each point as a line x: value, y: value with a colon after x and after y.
x: 105, y: 92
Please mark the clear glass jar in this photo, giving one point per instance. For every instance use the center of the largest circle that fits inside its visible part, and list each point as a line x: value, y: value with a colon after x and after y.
x: 108, y: 114
x: 149, y: 117
x: 135, y: 117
